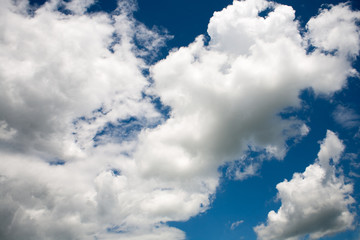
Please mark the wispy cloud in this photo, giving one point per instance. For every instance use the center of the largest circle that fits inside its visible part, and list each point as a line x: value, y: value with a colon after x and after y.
x: 236, y: 224
x: 346, y: 117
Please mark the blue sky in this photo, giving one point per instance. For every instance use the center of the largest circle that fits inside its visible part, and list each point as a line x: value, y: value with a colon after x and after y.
x: 203, y: 120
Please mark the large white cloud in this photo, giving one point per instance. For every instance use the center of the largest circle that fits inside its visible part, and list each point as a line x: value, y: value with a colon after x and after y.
x: 315, y: 202
x: 57, y: 68
x: 226, y: 96
x: 71, y: 95
x: 331, y: 31
x: 63, y: 79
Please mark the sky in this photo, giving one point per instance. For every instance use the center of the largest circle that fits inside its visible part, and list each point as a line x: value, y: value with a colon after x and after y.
x: 174, y: 120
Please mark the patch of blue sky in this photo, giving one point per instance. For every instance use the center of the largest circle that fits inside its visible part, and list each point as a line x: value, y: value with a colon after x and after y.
x: 37, y: 3
x: 62, y: 8
x: 305, y: 9
x: 185, y: 20
x: 234, y: 201
x: 116, y: 172
x: 108, y: 6
x: 57, y: 162
x: 115, y: 229
x: 163, y: 109
x: 266, y: 12
x: 122, y: 130
x: 84, y: 119
x: 116, y: 38
x: 127, y: 129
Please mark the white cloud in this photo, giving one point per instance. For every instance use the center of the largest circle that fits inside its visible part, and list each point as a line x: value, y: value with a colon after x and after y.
x: 346, y: 117
x: 60, y: 86
x: 335, y: 29
x: 240, y: 170
x: 64, y: 79
x: 223, y: 102
x: 315, y: 202
x: 79, y: 7
x: 331, y: 149
x: 57, y: 68
x: 236, y: 224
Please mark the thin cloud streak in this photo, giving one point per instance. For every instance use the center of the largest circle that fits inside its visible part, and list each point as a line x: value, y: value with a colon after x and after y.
x: 236, y: 224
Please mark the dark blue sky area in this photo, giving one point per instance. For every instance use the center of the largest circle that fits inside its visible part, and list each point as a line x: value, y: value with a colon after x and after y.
x: 187, y: 19
x: 184, y: 19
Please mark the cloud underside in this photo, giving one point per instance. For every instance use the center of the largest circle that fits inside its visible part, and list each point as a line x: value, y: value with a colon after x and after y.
x: 86, y: 153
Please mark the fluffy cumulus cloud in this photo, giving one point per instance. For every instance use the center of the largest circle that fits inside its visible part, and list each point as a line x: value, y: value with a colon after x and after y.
x: 331, y: 31
x: 58, y: 76
x: 314, y: 202
x: 85, y: 153
x: 65, y: 80
x: 226, y: 95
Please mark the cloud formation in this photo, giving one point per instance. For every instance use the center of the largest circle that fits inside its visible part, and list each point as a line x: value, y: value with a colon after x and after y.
x: 85, y: 153
x: 64, y: 79
x: 346, y: 117
x: 236, y: 224
x: 332, y: 30
x: 315, y: 202
x: 57, y: 70
x: 226, y: 96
